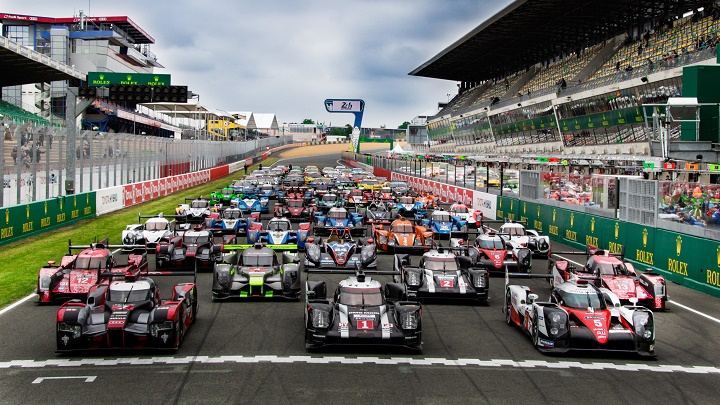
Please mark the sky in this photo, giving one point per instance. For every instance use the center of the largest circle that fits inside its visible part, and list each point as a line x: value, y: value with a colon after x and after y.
x: 287, y: 56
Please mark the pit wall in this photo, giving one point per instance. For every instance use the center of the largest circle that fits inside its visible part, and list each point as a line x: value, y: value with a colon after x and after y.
x: 683, y: 259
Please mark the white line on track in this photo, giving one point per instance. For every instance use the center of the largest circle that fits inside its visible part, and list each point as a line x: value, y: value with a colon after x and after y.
x: 696, y: 312
x: 16, y: 303
x: 501, y: 363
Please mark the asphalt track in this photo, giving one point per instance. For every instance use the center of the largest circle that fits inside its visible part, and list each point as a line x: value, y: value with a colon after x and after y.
x: 253, y: 352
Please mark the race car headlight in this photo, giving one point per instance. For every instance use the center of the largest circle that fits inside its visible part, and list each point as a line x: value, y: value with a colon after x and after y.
x: 129, y: 239
x: 413, y: 279
x: 223, y: 278
x: 479, y: 281
x: 542, y: 244
x: 44, y: 283
x: 382, y: 239
x: 409, y: 320
x: 76, y: 330
x: 368, y: 253
x: 660, y: 289
x: 312, y: 252
x: 156, y: 328
x: 643, y: 324
x: 556, y: 323
x: 320, y: 319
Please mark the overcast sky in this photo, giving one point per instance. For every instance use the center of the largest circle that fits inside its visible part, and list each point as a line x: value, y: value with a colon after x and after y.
x: 287, y: 56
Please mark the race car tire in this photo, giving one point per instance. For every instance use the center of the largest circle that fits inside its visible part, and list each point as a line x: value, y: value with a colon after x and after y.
x: 508, y: 305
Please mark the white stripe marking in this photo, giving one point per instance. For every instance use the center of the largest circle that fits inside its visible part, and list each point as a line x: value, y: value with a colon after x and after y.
x: 670, y: 301
x: 354, y: 360
x: 16, y: 303
x: 88, y: 378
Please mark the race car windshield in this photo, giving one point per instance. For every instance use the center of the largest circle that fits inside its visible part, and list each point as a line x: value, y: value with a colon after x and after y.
x: 195, y: 239
x: 582, y: 300
x: 357, y: 297
x: 295, y: 204
x: 278, y: 226
x: 515, y: 231
x: 402, y: 228
x: 90, y: 263
x: 257, y: 260
x: 406, y: 200
x: 227, y: 192
x: 461, y: 210
x: 267, y: 187
x: 613, y: 269
x: 156, y: 226
x: 446, y: 264
x: 199, y: 204
x: 337, y: 214
x: 231, y: 214
x: 329, y: 198
x: 133, y: 295
x: 321, y: 187
x: 441, y: 218
x: 491, y: 244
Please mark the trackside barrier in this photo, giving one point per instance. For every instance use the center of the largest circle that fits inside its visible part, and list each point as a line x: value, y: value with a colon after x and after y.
x: 681, y: 258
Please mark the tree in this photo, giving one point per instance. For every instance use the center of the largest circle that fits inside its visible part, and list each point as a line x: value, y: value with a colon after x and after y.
x: 338, y: 131
x: 308, y: 121
x: 348, y: 129
x: 404, y: 125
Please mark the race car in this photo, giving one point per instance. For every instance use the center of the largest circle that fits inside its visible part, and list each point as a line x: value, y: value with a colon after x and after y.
x: 408, y: 207
x: 196, y: 212
x: 429, y: 200
x: 279, y: 232
x: 328, y: 201
x: 251, y: 203
x: 494, y: 253
x: 340, y: 251
x: 94, y: 264
x: 189, y: 248
x: 361, y: 312
x: 291, y: 193
x: 223, y: 196
x: 386, y: 196
x: 402, y: 235
x: 580, y: 316
x: 379, y: 213
x: 359, y: 197
x: 338, y: 219
x: 295, y: 209
x: 242, y: 187
x: 444, y: 226
x: 443, y: 274
x: 127, y: 314
x: 157, y: 228
x: 463, y: 212
x: 256, y: 271
x: 538, y: 244
x: 267, y: 190
x: 608, y: 270
x: 231, y: 221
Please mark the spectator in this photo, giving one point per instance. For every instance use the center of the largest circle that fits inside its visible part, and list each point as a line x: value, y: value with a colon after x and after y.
x: 8, y: 134
x: 38, y: 152
x: 617, y: 66
x: 25, y: 159
x: 246, y: 167
x: 23, y: 139
x: 53, y: 180
x: 14, y: 155
x: 629, y: 68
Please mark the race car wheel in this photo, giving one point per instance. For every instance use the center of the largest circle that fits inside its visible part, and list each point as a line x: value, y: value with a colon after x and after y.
x: 508, y: 305
x: 195, y: 306
x: 534, y: 332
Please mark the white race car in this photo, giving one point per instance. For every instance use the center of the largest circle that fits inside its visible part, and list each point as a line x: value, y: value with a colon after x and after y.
x: 538, y: 244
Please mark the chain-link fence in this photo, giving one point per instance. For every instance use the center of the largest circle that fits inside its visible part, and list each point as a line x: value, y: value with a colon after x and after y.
x: 35, y: 159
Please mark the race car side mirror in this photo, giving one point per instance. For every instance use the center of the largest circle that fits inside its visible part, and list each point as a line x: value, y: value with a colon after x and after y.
x: 531, y: 298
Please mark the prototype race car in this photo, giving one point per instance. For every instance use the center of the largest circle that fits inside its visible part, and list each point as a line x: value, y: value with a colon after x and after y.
x: 188, y: 249
x: 127, y: 314
x: 443, y: 274
x: 538, y: 244
x: 580, y: 316
x: 496, y: 254
x: 223, y: 196
x: 608, y: 270
x: 340, y: 251
x: 279, y: 232
x: 328, y: 201
x: 337, y: 220
x: 407, y: 206
x: 157, y: 228
x: 252, y: 203
x: 231, y: 221
x: 379, y: 213
x: 196, y: 212
x: 444, y: 226
x: 402, y: 235
x: 295, y: 209
x: 361, y: 312
x: 94, y: 264
x: 257, y: 271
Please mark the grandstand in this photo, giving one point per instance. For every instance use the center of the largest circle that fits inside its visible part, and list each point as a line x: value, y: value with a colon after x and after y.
x: 618, y: 60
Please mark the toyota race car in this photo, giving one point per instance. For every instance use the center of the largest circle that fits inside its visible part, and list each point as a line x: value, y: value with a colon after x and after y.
x: 529, y: 238
x: 157, y: 228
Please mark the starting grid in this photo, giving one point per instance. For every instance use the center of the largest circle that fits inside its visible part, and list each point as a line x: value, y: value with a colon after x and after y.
x: 391, y: 361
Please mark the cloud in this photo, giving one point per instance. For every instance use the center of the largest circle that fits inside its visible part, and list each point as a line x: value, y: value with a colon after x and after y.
x: 288, y: 56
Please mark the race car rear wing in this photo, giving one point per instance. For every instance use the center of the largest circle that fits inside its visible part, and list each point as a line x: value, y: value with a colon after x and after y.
x: 591, y: 250
x: 103, y: 244
x: 286, y: 247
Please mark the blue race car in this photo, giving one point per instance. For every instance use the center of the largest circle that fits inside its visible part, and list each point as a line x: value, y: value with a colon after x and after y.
x: 443, y: 225
x: 279, y: 232
x: 251, y: 203
x: 337, y: 220
x: 231, y: 221
x: 409, y: 208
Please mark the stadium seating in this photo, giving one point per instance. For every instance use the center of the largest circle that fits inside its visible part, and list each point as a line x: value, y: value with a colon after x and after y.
x: 567, y: 68
x: 14, y: 113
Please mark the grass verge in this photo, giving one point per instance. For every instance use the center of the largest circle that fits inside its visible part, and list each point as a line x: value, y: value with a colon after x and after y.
x: 22, y: 259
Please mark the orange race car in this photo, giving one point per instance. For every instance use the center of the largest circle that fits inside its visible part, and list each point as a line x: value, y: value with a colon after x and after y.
x: 402, y: 235
x: 430, y: 199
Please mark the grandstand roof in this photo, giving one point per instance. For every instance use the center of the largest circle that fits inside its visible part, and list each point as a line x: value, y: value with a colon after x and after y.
x: 20, y: 65
x: 182, y: 110
x: 530, y: 31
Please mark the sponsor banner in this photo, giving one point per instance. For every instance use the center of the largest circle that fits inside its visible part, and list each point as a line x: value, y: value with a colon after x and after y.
x: 137, y: 193
x: 109, y: 199
x: 218, y: 172
x: 486, y: 203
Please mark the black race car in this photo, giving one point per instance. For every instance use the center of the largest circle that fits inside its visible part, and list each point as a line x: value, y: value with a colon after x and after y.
x: 340, y: 251
x: 361, y: 312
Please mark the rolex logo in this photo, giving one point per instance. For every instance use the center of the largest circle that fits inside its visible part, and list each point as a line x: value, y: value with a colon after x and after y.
x: 645, y: 237
x: 678, y: 245
x: 572, y: 220
x: 617, y: 229
x: 592, y: 225
x: 554, y: 213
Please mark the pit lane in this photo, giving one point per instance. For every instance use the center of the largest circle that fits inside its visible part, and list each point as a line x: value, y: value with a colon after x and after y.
x: 253, y: 351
